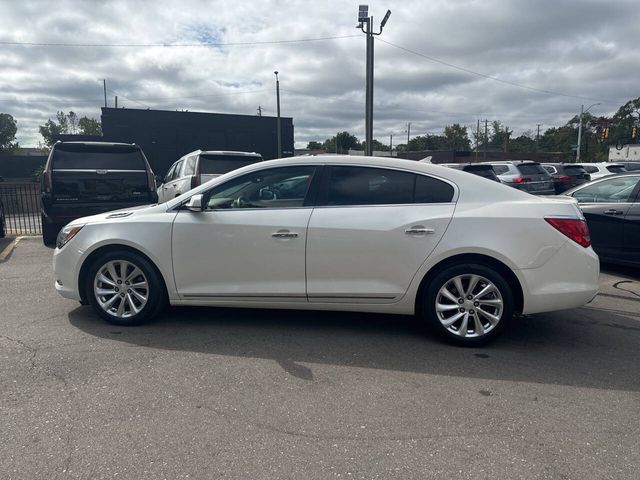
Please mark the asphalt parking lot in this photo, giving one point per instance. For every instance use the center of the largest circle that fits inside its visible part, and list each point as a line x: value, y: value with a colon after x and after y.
x: 220, y: 393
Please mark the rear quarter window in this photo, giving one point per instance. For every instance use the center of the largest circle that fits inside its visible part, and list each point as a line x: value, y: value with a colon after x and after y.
x: 220, y: 164
x: 79, y: 157
x: 500, y: 169
x: 432, y: 190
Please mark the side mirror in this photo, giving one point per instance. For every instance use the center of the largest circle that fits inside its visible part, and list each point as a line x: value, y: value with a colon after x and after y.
x: 195, y: 203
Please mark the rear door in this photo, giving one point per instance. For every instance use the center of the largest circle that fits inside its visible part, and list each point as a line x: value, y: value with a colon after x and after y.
x: 371, y: 230
x: 89, y: 179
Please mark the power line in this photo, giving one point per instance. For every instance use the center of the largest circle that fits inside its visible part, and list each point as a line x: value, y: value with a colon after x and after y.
x: 173, y: 45
x: 489, y: 77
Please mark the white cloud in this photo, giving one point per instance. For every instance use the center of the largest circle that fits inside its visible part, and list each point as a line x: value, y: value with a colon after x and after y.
x: 582, y: 48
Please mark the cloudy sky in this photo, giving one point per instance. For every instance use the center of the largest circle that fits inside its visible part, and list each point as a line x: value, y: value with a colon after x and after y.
x: 578, y: 52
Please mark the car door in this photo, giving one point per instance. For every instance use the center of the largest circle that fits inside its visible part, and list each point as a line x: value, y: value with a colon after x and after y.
x: 631, y: 232
x: 183, y: 176
x: 371, y: 230
x: 249, y: 241
x: 605, y: 205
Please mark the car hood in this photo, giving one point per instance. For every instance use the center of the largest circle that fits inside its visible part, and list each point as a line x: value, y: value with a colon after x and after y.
x: 115, y: 215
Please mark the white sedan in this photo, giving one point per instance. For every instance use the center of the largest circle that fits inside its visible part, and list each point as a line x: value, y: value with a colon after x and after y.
x: 338, y: 233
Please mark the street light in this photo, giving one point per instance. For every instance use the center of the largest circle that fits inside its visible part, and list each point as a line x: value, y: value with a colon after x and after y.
x: 582, y: 112
x: 364, y: 20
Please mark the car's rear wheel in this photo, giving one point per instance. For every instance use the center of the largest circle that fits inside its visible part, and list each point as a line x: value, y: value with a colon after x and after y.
x: 468, y: 304
x: 124, y: 288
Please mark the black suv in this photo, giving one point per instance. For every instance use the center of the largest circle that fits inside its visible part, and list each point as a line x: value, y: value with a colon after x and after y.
x: 566, y: 175
x: 482, y: 170
x: 87, y: 178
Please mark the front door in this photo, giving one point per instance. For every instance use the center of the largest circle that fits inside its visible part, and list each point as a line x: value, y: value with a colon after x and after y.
x: 249, y: 241
x: 371, y: 231
x: 605, y: 205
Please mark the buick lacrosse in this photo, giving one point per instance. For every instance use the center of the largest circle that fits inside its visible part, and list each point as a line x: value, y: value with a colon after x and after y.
x: 337, y: 233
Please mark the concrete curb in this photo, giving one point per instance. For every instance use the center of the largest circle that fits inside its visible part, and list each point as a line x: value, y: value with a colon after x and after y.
x: 8, y: 249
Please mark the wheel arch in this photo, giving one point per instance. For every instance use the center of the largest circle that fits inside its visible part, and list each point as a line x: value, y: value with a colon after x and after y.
x: 476, y: 258
x: 84, y: 269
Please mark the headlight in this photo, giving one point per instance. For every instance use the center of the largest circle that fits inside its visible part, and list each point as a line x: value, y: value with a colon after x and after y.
x: 66, y: 234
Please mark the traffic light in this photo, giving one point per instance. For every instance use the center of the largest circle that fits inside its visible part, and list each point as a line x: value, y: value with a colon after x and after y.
x: 634, y: 132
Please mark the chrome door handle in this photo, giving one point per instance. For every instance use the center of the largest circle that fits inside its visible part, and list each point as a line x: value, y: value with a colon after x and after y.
x: 612, y: 211
x: 284, y: 234
x: 417, y: 230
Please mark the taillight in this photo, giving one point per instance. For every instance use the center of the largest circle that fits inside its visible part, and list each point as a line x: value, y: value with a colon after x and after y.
x: 151, y: 180
x: 574, y: 228
x: 564, y: 178
x: 46, y: 178
x: 195, y: 181
x: 521, y: 179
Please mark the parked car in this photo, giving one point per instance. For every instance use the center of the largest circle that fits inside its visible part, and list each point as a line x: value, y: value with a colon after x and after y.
x: 347, y: 233
x: 524, y: 175
x: 86, y: 178
x: 630, y: 166
x: 482, y: 170
x: 602, y: 169
x: 566, y: 175
x: 198, y: 167
x: 611, y: 206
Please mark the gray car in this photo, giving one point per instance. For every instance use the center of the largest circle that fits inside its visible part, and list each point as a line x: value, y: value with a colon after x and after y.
x: 524, y: 175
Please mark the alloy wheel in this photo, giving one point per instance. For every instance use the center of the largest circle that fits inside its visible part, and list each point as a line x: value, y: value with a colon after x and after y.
x: 121, y: 288
x: 469, y: 305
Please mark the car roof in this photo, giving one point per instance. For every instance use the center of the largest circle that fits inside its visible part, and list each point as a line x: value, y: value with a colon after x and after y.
x: 509, y: 162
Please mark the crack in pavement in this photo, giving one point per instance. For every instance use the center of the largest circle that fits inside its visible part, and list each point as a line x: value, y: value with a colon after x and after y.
x: 29, y: 348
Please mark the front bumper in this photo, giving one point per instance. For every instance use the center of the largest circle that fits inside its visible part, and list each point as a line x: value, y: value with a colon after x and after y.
x: 66, y: 270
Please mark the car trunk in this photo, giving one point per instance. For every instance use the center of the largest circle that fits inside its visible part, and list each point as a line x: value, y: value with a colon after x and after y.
x: 538, y: 177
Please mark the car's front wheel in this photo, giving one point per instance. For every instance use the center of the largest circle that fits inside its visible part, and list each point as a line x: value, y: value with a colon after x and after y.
x: 124, y: 288
x: 468, y: 304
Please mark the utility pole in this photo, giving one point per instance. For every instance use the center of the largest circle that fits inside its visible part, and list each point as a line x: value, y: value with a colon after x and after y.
x: 582, y: 112
x: 408, y: 134
x: 337, y: 142
x: 104, y: 86
x: 391, y: 144
x: 365, y: 20
x: 278, y: 121
x: 538, y: 137
x: 477, y: 139
x: 259, y: 111
x: 486, y: 138
x: 116, y: 101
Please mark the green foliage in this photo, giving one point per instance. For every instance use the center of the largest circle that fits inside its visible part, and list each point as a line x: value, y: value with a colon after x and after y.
x: 68, y: 123
x: 8, y: 130
x: 345, y: 141
x: 313, y: 145
x: 457, y: 137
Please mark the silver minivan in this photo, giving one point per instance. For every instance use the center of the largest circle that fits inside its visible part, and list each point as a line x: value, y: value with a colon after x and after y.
x: 524, y: 175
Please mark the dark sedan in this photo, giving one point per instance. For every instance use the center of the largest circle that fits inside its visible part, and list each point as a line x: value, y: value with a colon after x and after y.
x: 566, y: 175
x: 611, y: 206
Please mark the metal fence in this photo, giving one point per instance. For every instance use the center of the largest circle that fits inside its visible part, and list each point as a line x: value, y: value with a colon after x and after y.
x: 21, y: 202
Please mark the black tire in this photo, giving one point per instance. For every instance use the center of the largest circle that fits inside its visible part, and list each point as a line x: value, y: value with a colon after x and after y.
x: 156, y: 293
x: 49, y: 233
x: 472, y: 338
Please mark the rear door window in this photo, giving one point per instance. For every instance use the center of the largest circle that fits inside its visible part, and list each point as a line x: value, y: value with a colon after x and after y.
x: 500, y: 169
x: 220, y: 164
x: 90, y: 157
x: 355, y: 186
x: 614, y: 190
x: 616, y: 168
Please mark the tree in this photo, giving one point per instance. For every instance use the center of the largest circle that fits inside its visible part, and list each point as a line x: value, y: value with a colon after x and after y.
x: 524, y: 143
x: 8, y: 130
x: 313, y: 145
x: 377, y: 146
x: 68, y: 123
x: 499, y: 139
x: 91, y: 126
x: 456, y: 137
x: 345, y: 142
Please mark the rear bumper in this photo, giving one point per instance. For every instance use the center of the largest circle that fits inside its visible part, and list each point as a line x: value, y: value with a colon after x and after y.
x: 568, y: 280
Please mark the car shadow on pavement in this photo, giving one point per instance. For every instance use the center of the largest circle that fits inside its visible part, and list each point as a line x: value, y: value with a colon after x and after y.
x: 574, y: 348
